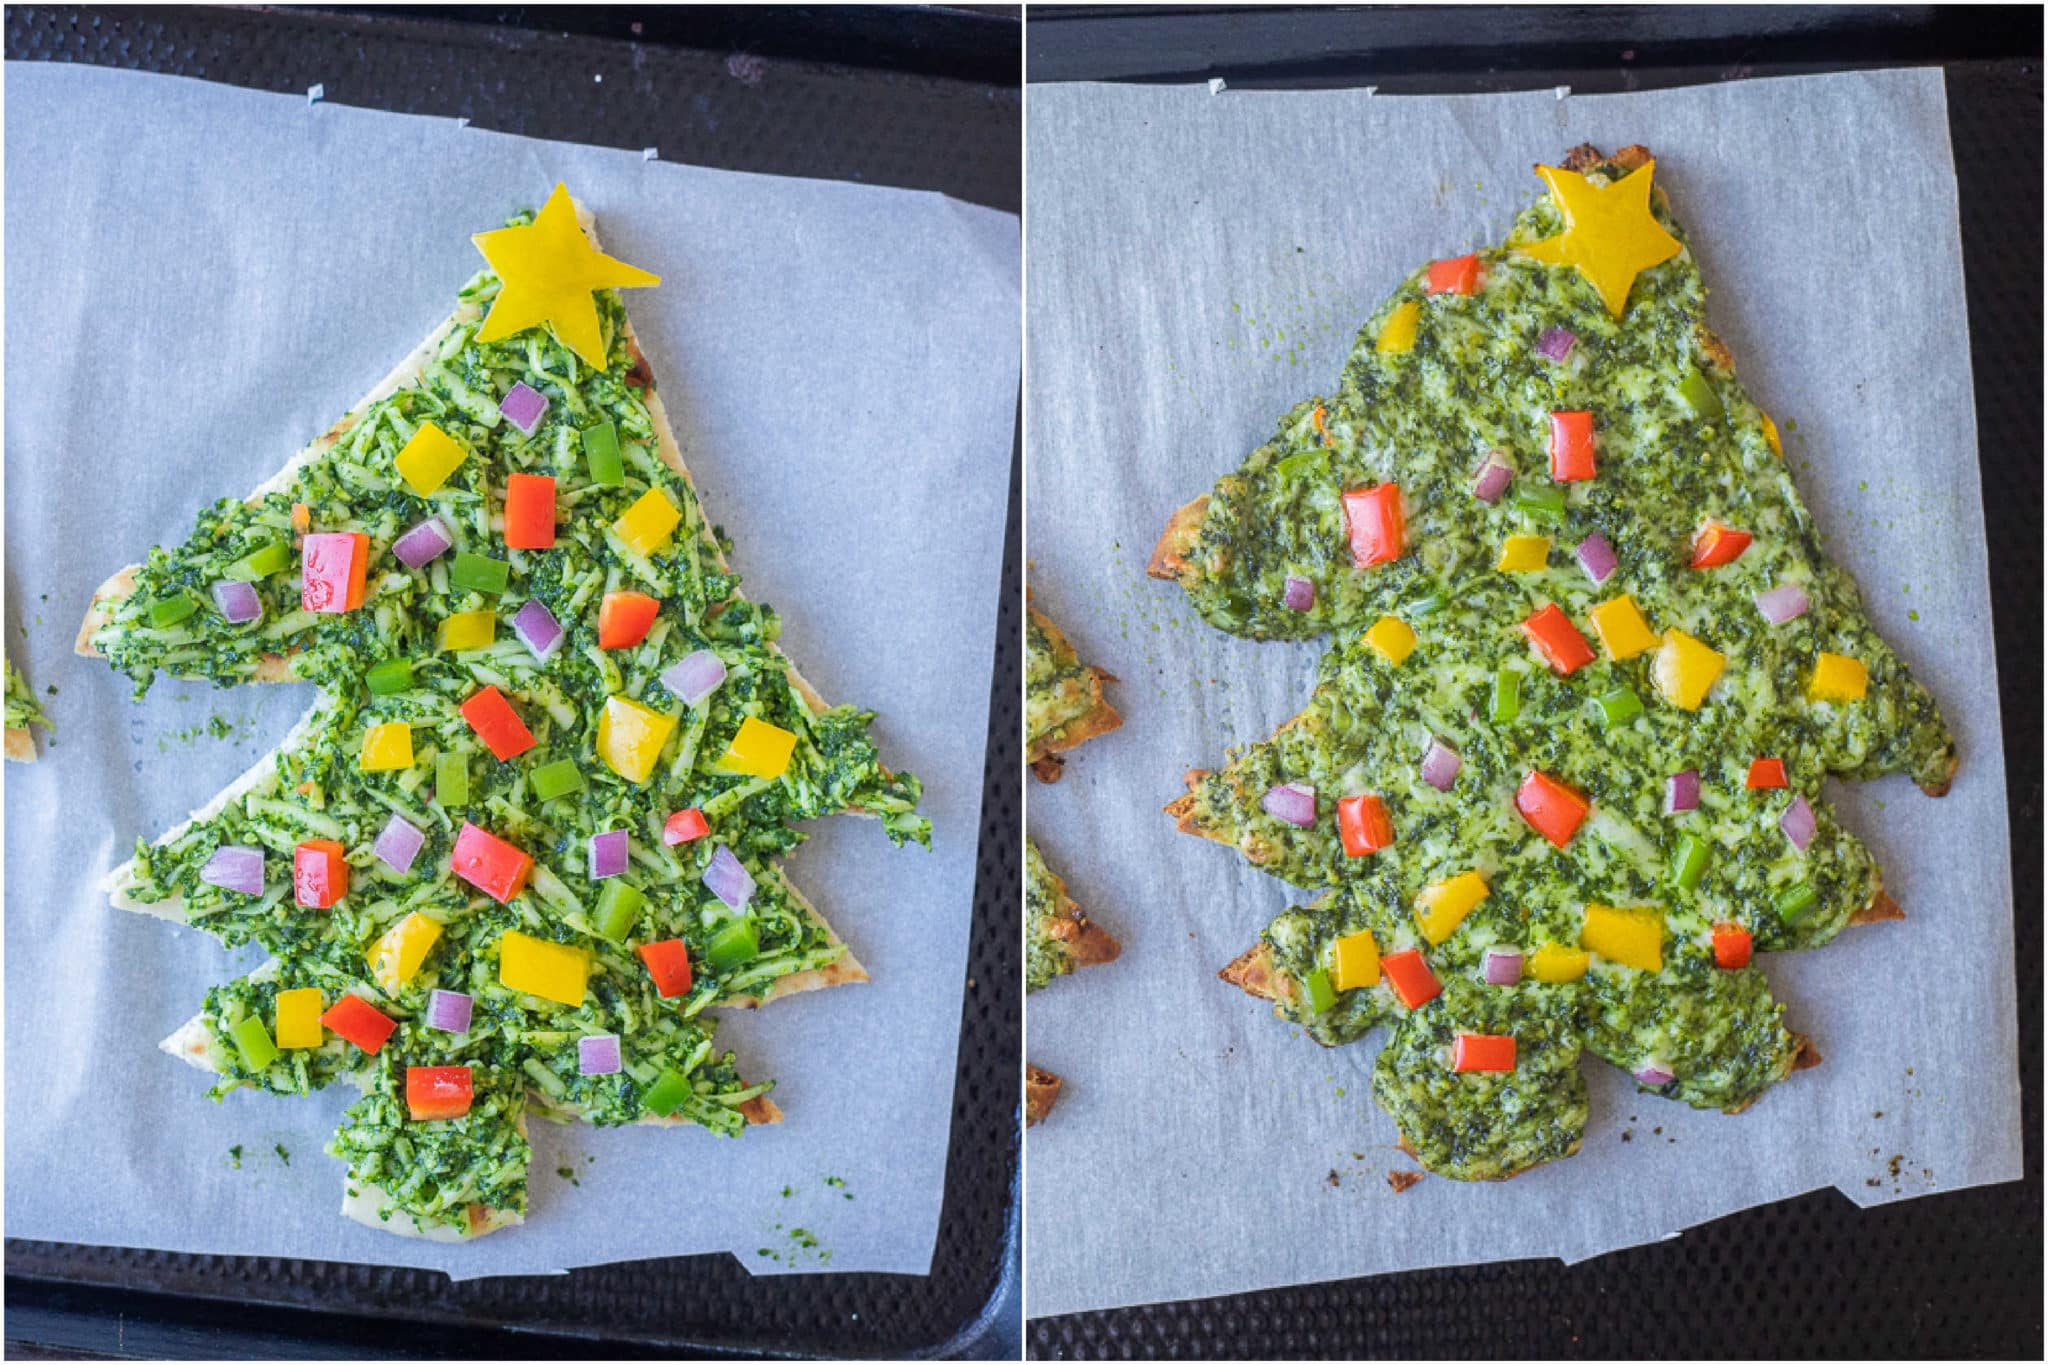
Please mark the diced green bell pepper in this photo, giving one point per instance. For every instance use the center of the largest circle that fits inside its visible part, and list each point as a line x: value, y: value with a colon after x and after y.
x: 601, y: 453
x: 1688, y: 862
x: 1795, y: 904
x: 1298, y: 464
x: 451, y: 780
x: 1507, y: 696
x: 1699, y: 395
x: 736, y: 943
x: 172, y: 610
x: 1619, y: 707
x: 259, y: 564
x: 558, y: 778
x: 667, y: 1093
x: 252, y: 1040
x: 618, y: 905
x: 1317, y: 992
x: 479, y: 573
x: 1542, y: 501
x: 391, y: 676
x: 1427, y: 605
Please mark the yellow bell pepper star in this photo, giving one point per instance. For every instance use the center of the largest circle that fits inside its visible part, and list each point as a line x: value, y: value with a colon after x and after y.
x: 547, y: 272
x: 1609, y: 234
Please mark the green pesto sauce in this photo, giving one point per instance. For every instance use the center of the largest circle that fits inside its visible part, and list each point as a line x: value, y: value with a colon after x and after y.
x: 22, y: 707
x: 1045, y: 905
x: 1426, y: 419
x: 1058, y: 688
x: 522, y: 1049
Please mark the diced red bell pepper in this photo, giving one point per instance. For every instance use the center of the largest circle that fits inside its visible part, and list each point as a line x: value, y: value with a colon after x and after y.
x: 438, y: 1092
x: 1363, y: 825
x: 668, y: 962
x: 1457, y: 276
x: 625, y: 618
x: 1557, y: 640
x: 1483, y: 1052
x: 1378, y: 531
x: 497, y: 724
x: 684, y: 826
x: 1716, y: 545
x: 319, y: 873
x: 359, y: 1021
x: 1731, y: 947
x: 332, y: 566
x: 1552, y: 809
x: 530, y: 512
x: 1765, y: 773
x: 489, y: 864
x: 1408, y: 973
x: 1571, y: 446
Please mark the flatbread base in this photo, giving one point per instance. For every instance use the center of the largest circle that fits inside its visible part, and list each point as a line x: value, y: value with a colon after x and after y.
x: 1041, y: 1093
x: 21, y: 745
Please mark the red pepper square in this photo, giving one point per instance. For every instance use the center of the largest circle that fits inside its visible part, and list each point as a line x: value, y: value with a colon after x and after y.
x: 1571, y: 446
x: 684, y: 826
x: 357, y: 1020
x: 1408, y: 973
x: 319, y: 873
x: 1557, y: 640
x: 438, y: 1092
x: 489, y: 864
x: 668, y: 962
x: 1362, y: 825
x: 1765, y: 774
x: 332, y: 566
x: 1483, y: 1052
x: 1373, y: 518
x: 1457, y: 276
x: 497, y: 724
x: 1552, y: 809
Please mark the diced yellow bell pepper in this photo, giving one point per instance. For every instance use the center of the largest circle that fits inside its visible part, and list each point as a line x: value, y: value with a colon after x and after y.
x: 1553, y: 964
x: 298, y: 1018
x: 1523, y: 554
x: 648, y: 522
x: 1392, y: 638
x: 429, y: 458
x: 1399, y: 333
x: 1837, y: 677
x: 552, y: 971
x: 1685, y: 670
x: 1442, y: 907
x: 1634, y: 938
x: 468, y: 630
x: 397, y: 956
x: 1771, y: 435
x: 387, y: 746
x: 630, y: 736
x: 759, y: 750
x: 1358, y: 961
x: 1621, y: 628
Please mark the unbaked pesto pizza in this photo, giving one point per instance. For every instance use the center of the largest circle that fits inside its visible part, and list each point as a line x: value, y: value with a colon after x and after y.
x: 1063, y: 702
x: 529, y: 837
x: 1560, y: 777
x: 1059, y: 936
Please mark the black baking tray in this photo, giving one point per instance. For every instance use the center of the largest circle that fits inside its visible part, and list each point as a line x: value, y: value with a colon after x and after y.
x: 1951, y: 1275
x: 858, y: 93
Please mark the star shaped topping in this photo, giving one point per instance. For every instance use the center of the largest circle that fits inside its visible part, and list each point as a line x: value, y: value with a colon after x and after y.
x: 547, y: 272
x: 1609, y: 234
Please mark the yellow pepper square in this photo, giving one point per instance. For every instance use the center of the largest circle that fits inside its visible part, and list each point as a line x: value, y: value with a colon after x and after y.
x: 630, y: 737
x: 397, y: 956
x: 429, y: 458
x: 647, y: 523
x: 534, y: 966
x: 1398, y: 335
x: 1622, y: 630
x: 469, y: 630
x: 1634, y: 938
x: 1771, y: 436
x: 298, y: 1018
x: 1392, y: 638
x: 1554, y: 964
x: 1523, y: 554
x: 1837, y: 677
x: 1358, y: 962
x: 1441, y: 908
x: 1685, y: 670
x: 387, y: 747
x: 759, y: 750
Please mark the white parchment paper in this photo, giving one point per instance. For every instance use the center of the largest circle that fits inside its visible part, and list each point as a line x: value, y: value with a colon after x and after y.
x: 1198, y: 264
x: 200, y: 279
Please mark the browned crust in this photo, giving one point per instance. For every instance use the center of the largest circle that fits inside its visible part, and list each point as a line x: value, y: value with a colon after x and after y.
x: 1084, y: 942
x: 1586, y: 156
x: 1182, y: 809
x: 1252, y: 971
x: 1401, y: 1181
x: 1169, y: 555
x: 1882, y: 907
x: 1940, y: 789
x: 761, y: 1110
x: 1099, y: 719
x: 21, y: 746
x: 1041, y: 1093
x: 1048, y: 768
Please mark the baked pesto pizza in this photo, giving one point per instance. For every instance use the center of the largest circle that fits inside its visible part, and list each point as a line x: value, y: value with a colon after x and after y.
x: 23, y: 710
x: 529, y: 837
x: 1560, y: 775
x: 1063, y: 702
x: 1059, y: 936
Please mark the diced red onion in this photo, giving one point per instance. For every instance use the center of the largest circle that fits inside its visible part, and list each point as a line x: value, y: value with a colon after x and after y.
x: 728, y: 880
x: 399, y: 844
x: 1293, y: 802
x: 597, y: 1054
x: 1556, y: 344
x: 1799, y: 823
x: 610, y: 852
x: 1782, y: 603
x: 1682, y: 792
x: 1300, y: 594
x: 537, y: 627
x: 1492, y: 478
x: 1440, y: 765
x: 1654, y: 1076
x: 423, y: 543
x: 239, y: 602
x: 695, y: 676
x: 449, y: 1011
x: 524, y: 407
x: 1503, y: 966
x: 235, y: 867
x: 1596, y: 557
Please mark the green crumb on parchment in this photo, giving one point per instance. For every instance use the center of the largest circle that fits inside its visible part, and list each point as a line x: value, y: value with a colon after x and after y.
x: 282, y: 1154
x: 235, y: 1156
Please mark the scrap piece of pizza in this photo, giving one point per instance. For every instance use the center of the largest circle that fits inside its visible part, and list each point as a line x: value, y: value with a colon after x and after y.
x: 532, y: 828
x: 1063, y: 702
x: 1561, y: 772
x: 23, y: 710
x: 1059, y: 936
x: 1041, y: 1093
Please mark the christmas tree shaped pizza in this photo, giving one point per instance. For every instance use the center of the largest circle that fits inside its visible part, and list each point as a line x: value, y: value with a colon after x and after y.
x: 530, y: 832
x: 1560, y: 776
